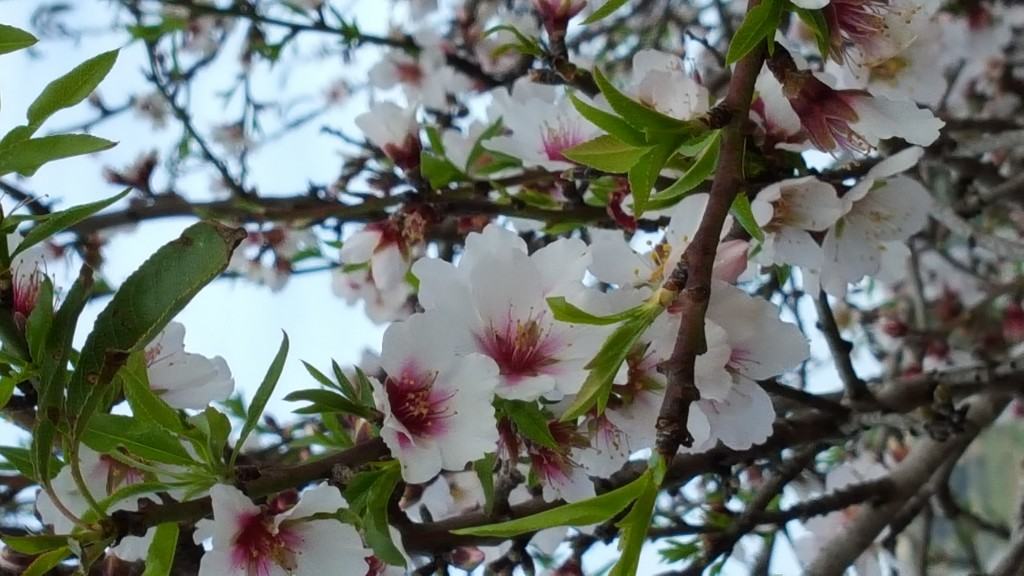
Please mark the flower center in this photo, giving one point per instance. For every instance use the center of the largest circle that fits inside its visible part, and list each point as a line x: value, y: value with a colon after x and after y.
x: 521, y: 348
x: 557, y: 139
x: 26, y: 292
x: 889, y: 70
x: 258, y: 545
x: 409, y: 73
x: 858, y: 21
x: 414, y: 403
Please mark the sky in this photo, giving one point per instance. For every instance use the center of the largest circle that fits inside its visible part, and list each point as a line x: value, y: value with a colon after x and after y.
x: 235, y: 319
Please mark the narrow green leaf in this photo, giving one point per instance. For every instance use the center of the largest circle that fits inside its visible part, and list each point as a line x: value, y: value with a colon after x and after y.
x: 60, y: 221
x: 46, y: 562
x: 484, y: 469
x: 145, y: 404
x: 36, y: 544
x: 160, y: 557
x: 606, y: 153
x: 42, y: 449
x: 605, y: 365
x: 700, y: 171
x: 375, y: 522
x: 566, y: 312
x: 214, y: 429
x: 760, y: 23
x: 346, y: 386
x: 633, y: 112
x: 634, y: 526
x: 58, y: 346
x: 325, y: 401
x: 71, y: 88
x: 108, y: 432
x: 609, y: 122
x: 37, y: 327
x: 529, y: 420
x: 816, y: 21
x: 743, y: 214
x: 21, y: 460
x: 644, y: 174
x: 27, y: 156
x: 591, y: 511
x: 12, y: 39
x: 262, y: 396
x: 605, y: 10
x: 478, y: 150
x: 7, y: 385
x: 147, y: 300
x: 438, y: 170
x: 318, y: 376
x: 525, y: 44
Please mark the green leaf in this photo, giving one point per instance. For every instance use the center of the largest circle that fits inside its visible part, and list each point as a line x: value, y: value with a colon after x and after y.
x: 160, y: 557
x: 604, y: 11
x: 214, y: 429
x: 36, y: 544
x: 62, y: 332
x: 71, y: 88
x: 375, y: 522
x: 12, y: 39
x: 605, y: 365
x: 478, y: 151
x: 606, y: 153
x: 42, y: 450
x: 60, y: 221
x: 609, y: 122
x: 644, y: 174
x: 634, y: 526
x: 37, y: 327
x: 701, y: 169
x: 21, y: 460
x: 144, y: 402
x: 743, y: 214
x: 524, y: 44
x: 153, y: 32
x: 566, y: 312
x: 147, y: 300
x: 760, y: 23
x: 346, y: 386
x: 46, y: 562
x: 484, y: 469
x: 7, y: 385
x: 815, y: 20
x: 108, y: 432
x: 325, y: 401
x: 262, y: 396
x: 590, y: 511
x: 27, y: 156
x: 439, y: 171
x: 529, y: 420
x: 633, y: 112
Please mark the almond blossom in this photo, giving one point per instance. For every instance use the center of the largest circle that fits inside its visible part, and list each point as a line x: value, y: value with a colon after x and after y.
x: 788, y: 211
x: 387, y: 247
x: 543, y: 124
x: 184, y: 379
x: 27, y: 273
x: 279, y: 539
x: 881, y: 212
x: 437, y: 406
x: 660, y: 80
x: 381, y: 306
x: 394, y: 130
x: 836, y: 120
x: 425, y: 78
x: 494, y: 303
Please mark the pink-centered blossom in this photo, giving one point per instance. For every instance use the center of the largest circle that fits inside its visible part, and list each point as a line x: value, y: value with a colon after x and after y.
x: 436, y: 404
x: 788, y: 212
x: 394, y: 130
x: 495, y: 303
x: 277, y: 539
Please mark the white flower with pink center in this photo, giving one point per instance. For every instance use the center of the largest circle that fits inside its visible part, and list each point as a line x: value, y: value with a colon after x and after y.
x: 661, y: 81
x: 380, y: 306
x: 543, y: 123
x: 394, y: 130
x: 382, y: 246
x: 436, y: 404
x: 184, y: 379
x: 494, y: 303
x: 881, y: 212
x: 788, y: 211
x: 273, y: 540
x: 424, y: 78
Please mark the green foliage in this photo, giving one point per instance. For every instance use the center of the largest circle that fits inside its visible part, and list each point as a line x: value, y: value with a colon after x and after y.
x: 634, y: 526
x: 46, y: 562
x: 529, y: 420
x: 743, y: 214
x: 371, y: 495
x: 702, y: 169
x: 57, y: 222
x: 590, y: 511
x: 160, y: 557
x: 108, y: 432
x: 606, y: 153
x: 325, y: 401
x: 28, y: 155
x: 610, y: 123
x: 605, y: 10
x: 523, y: 44
x: 71, y: 88
x: 35, y: 544
x: 816, y: 22
x: 262, y: 396
x: 598, y: 385
x: 149, y: 298
x: 144, y: 402
x: 438, y: 170
x: 564, y: 311
x: 12, y: 39
x: 759, y: 25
